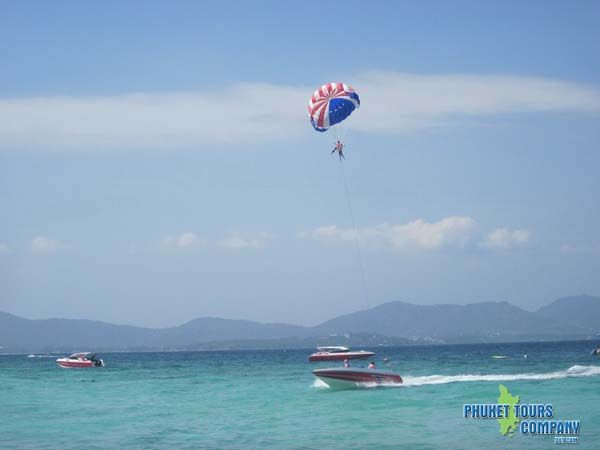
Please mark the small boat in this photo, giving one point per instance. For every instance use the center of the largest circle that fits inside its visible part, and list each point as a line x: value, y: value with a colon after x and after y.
x: 337, y: 354
x: 80, y: 360
x: 349, y: 377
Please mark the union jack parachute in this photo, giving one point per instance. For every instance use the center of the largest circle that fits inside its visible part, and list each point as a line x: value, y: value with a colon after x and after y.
x: 331, y: 104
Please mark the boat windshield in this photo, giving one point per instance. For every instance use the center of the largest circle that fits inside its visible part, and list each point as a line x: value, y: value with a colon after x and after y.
x: 333, y: 349
x: 82, y: 355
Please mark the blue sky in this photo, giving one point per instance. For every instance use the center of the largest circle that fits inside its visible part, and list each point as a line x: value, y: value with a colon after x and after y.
x: 157, y: 164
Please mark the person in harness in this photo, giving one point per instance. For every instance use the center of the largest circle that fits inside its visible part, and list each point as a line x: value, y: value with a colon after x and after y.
x: 339, y: 148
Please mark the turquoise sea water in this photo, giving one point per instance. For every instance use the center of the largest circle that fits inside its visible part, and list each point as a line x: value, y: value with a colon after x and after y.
x: 270, y: 399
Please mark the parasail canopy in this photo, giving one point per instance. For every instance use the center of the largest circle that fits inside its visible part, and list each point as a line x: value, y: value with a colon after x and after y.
x: 331, y: 104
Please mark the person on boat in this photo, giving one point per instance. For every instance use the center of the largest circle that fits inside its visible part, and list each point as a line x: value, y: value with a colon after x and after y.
x: 371, y: 365
x: 339, y: 147
x: 346, y: 364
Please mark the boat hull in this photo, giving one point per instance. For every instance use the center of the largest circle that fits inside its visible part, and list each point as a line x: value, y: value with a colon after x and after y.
x: 339, y: 356
x: 350, y: 378
x: 73, y: 364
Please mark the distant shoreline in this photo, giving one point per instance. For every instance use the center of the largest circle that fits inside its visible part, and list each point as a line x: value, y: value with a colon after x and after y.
x: 310, y: 349
x: 389, y: 324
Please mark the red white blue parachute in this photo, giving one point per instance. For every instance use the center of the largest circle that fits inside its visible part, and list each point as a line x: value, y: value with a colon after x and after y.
x: 331, y: 104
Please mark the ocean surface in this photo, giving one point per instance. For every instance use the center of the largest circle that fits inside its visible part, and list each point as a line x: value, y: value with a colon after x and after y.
x: 270, y: 399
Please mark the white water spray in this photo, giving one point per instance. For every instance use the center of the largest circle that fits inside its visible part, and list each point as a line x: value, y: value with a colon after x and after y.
x: 571, y: 372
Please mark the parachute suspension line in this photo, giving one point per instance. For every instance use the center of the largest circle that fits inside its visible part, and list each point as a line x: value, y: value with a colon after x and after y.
x: 341, y: 131
x: 357, y: 249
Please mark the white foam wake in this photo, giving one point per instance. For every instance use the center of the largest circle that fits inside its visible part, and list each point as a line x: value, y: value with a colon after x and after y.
x: 318, y: 383
x: 574, y: 371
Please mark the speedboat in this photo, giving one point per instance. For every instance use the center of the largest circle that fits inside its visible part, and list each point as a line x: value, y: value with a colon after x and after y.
x: 349, y: 377
x: 337, y: 354
x: 80, y: 360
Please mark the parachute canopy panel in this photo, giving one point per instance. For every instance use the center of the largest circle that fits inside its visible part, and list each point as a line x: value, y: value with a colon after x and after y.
x: 331, y: 104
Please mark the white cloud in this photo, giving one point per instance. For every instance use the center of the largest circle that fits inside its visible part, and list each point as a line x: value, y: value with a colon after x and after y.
x: 396, y: 102
x: 503, y: 238
x: 181, y: 241
x: 3, y: 248
x: 228, y: 114
x: 448, y: 232
x: 239, y: 240
x: 391, y: 102
x: 42, y: 244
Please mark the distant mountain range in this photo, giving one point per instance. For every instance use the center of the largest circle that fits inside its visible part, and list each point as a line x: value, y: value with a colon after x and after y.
x: 394, y: 323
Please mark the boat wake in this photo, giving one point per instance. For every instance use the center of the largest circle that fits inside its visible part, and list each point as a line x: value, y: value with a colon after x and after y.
x: 571, y: 372
x: 408, y: 381
x: 318, y: 383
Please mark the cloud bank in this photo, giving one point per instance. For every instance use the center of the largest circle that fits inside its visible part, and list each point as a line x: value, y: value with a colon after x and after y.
x: 419, y: 234
x: 391, y: 103
x: 503, y: 238
x: 449, y: 232
x: 406, y: 102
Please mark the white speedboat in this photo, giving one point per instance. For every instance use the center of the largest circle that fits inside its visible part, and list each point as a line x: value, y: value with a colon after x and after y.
x: 80, y: 360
